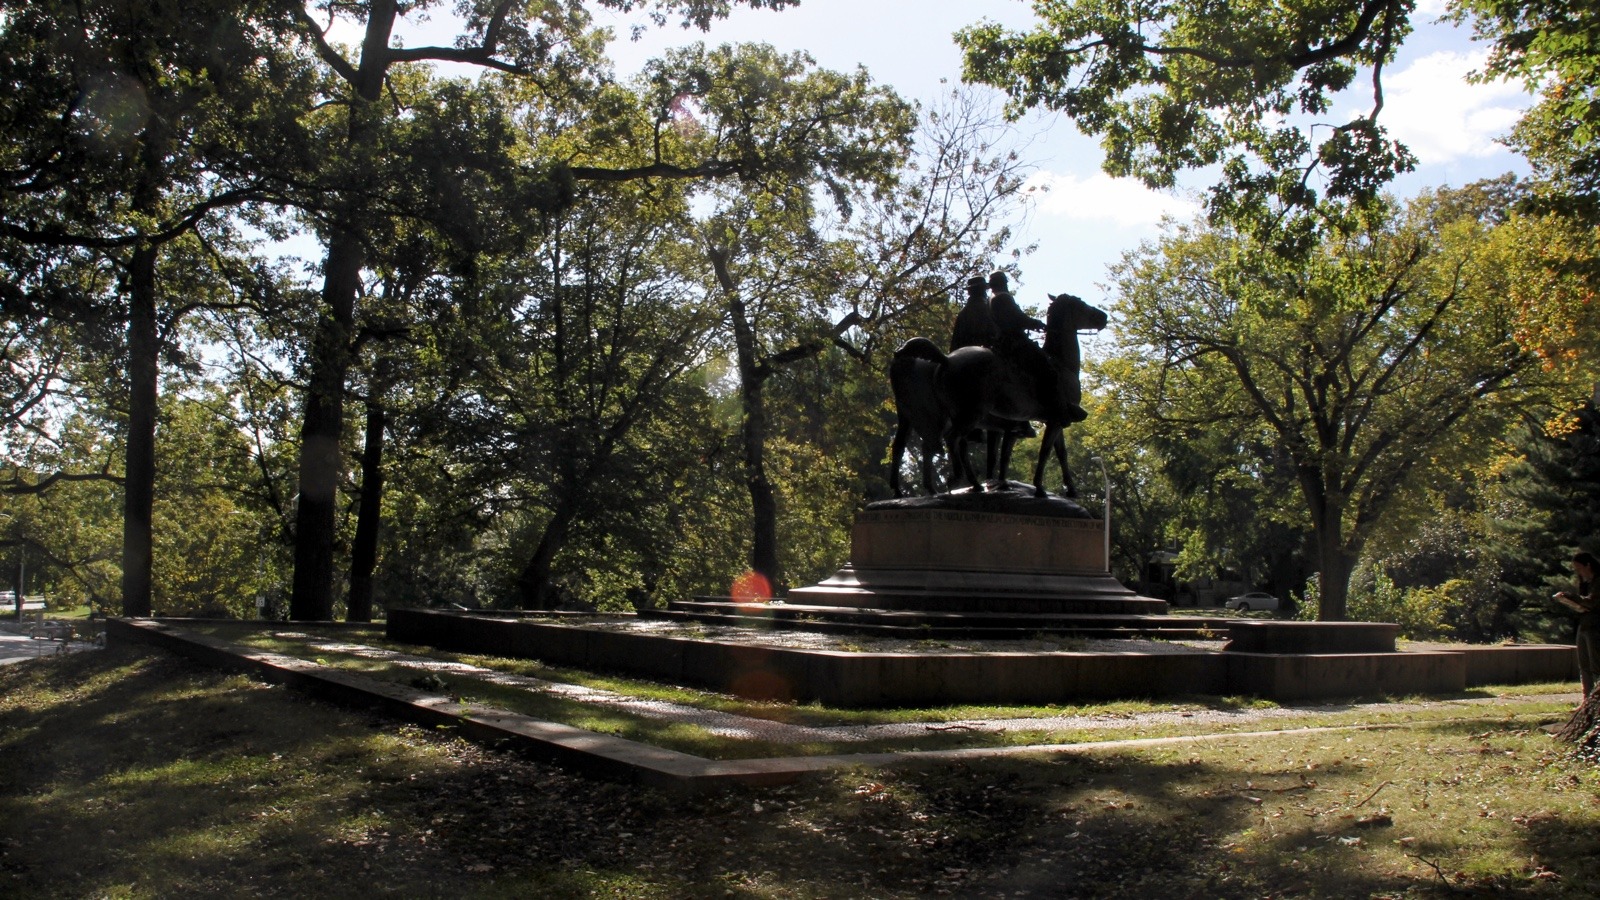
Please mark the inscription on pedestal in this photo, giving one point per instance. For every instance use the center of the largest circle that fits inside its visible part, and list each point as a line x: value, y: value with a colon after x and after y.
x: 977, y: 542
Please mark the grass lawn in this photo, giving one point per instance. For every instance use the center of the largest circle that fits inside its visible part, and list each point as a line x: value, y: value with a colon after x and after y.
x: 126, y: 773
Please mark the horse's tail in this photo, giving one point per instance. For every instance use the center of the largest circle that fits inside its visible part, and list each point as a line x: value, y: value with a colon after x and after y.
x: 921, y: 348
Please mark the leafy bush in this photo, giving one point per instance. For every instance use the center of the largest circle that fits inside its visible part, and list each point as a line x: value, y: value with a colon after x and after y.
x: 1421, y: 612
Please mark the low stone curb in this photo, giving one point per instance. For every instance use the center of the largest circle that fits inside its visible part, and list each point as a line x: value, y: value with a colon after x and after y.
x: 576, y: 748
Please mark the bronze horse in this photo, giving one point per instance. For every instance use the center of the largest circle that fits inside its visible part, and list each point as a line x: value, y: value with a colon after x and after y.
x: 946, y: 397
x: 914, y: 377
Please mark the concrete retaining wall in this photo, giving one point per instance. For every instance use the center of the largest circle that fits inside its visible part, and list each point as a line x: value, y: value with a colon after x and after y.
x: 1284, y: 676
x: 1512, y: 663
x: 912, y: 679
x: 831, y: 677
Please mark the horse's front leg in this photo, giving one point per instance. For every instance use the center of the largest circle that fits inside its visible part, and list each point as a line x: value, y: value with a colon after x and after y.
x: 1061, y: 455
x: 1047, y: 443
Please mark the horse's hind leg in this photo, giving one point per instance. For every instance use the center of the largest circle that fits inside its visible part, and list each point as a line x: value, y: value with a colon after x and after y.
x: 897, y: 452
x: 961, y: 460
x: 997, y: 456
x: 1008, y: 442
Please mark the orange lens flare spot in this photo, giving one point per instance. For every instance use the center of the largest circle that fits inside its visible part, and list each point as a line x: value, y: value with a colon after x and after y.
x: 751, y: 587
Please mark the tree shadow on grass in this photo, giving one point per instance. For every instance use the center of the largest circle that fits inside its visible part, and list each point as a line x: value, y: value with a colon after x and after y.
x: 143, y: 772
x: 133, y: 773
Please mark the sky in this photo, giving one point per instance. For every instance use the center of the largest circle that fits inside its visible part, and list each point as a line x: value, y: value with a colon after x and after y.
x: 1085, y: 220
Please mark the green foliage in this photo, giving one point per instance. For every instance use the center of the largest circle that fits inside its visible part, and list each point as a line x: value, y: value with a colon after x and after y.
x: 780, y: 119
x: 1349, y: 373
x: 1553, y: 47
x: 209, y: 553
x: 1420, y: 612
x: 1546, y: 507
x: 1446, y: 542
x: 1423, y: 613
x: 1172, y: 86
x: 817, y: 502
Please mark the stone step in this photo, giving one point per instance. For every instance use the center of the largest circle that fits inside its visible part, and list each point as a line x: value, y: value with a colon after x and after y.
x: 913, y: 624
x: 782, y: 610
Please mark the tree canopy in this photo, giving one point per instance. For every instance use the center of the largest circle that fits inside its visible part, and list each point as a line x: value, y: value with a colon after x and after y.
x: 1173, y: 86
x: 572, y: 339
x: 1553, y: 47
x: 1365, y: 361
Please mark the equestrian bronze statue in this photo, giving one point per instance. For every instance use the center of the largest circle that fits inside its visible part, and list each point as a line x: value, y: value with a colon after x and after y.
x: 946, y: 398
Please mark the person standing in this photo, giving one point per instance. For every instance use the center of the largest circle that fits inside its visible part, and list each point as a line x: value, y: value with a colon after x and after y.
x: 1587, y: 605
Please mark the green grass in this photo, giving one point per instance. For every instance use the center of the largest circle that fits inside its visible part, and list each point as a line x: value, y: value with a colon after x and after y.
x: 131, y: 774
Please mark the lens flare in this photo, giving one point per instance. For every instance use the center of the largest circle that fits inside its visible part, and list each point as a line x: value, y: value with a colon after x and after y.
x: 751, y: 587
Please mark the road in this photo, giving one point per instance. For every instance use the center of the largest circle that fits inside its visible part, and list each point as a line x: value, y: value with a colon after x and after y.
x: 16, y: 645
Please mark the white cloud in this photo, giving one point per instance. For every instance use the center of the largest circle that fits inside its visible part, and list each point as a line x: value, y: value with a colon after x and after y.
x: 1100, y: 198
x: 1442, y: 117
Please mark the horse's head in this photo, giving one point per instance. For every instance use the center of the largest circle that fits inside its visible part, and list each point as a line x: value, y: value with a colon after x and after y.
x: 1070, y: 313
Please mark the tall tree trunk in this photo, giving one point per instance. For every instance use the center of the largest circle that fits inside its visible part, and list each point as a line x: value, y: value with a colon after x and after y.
x: 753, y: 428
x: 534, y: 587
x: 321, y: 431
x: 144, y: 353
x: 763, y: 500
x: 321, y: 457
x: 1584, y: 726
x: 364, y: 552
x: 139, y: 480
x: 1335, y: 562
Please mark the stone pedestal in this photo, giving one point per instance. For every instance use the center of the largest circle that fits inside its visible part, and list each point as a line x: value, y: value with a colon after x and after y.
x: 993, y: 553
x: 1260, y: 636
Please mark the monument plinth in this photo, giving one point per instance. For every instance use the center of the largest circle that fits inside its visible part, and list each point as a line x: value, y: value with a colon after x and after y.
x: 994, y: 552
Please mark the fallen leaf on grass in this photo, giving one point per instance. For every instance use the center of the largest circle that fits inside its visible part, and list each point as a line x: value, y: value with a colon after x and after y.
x: 1537, y: 818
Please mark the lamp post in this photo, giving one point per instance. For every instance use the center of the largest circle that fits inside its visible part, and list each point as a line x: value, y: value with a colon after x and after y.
x: 1105, y: 517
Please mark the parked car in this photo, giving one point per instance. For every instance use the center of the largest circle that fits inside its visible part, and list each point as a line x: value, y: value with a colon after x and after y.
x: 1252, y: 600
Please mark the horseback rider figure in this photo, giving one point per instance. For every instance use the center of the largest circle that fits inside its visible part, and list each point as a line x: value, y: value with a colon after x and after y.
x: 996, y: 391
x: 975, y: 323
x: 1013, y: 343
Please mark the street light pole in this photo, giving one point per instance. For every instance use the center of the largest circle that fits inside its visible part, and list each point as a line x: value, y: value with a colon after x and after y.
x: 1105, y: 517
